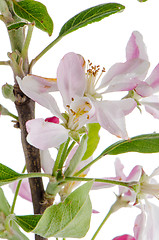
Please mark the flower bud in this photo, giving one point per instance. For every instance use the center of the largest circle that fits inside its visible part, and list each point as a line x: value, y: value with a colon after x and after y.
x: 7, y: 91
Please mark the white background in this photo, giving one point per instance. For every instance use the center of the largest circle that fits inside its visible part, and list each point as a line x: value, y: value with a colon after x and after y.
x: 104, y: 44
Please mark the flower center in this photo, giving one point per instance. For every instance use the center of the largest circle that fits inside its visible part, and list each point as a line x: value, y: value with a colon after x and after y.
x: 78, y: 113
x: 152, y: 189
x: 93, y: 75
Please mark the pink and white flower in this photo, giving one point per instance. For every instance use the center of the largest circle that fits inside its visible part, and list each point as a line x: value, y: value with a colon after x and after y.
x: 110, y: 114
x: 145, y: 226
x: 82, y: 97
x: 44, y: 134
x: 144, y: 89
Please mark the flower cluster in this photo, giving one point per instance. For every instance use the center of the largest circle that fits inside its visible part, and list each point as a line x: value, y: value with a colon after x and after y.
x: 83, y: 88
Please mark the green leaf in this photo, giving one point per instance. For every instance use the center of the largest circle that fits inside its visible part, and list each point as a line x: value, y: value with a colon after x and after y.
x: 4, y: 205
x: 69, y: 219
x: 93, y: 139
x: 14, y: 233
x: 77, y: 157
x: 34, y: 11
x: 7, y: 175
x: 93, y: 14
x: 28, y: 222
x: 18, y: 235
x: 147, y: 143
x: 142, y: 0
x: 16, y: 26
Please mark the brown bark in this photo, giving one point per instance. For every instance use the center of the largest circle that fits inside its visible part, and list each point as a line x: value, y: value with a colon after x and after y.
x: 25, y: 108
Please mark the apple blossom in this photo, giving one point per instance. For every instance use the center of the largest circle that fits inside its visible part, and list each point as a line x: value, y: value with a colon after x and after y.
x: 145, y: 89
x: 79, y: 89
x: 44, y: 134
x: 145, y: 223
x: 110, y: 114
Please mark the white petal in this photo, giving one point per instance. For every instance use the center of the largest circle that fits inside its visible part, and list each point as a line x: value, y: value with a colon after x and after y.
x: 71, y: 77
x: 44, y: 135
x: 128, y: 73
x: 34, y: 87
x: 47, y: 161
x: 111, y: 115
x: 152, y: 105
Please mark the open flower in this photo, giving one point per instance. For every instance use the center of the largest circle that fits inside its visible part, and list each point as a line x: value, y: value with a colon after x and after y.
x: 44, y: 134
x: 145, y: 89
x: 145, y: 226
x: 110, y: 114
x: 82, y: 91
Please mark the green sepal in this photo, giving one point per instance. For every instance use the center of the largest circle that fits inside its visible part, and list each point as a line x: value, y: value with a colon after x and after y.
x: 77, y: 157
x: 93, y: 139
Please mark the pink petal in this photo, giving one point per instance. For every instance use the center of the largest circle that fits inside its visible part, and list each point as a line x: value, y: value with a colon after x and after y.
x: 47, y: 161
x: 111, y: 118
x: 119, y: 169
x: 135, y: 174
x: 94, y: 211
x: 44, y: 135
x: 153, y: 79
x: 124, y: 237
x: 125, y: 76
x: 152, y: 105
x: 37, y: 89
x: 101, y: 185
x: 136, y: 47
x: 37, y: 84
x: 111, y: 115
x: 144, y: 89
x: 71, y: 77
x: 139, y: 226
x: 24, y: 190
x: 128, y: 195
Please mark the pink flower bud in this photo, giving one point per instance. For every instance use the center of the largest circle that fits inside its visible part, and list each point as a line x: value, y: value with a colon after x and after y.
x: 52, y: 120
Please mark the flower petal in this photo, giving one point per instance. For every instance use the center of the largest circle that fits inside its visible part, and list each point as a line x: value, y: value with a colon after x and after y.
x: 146, y: 224
x: 136, y: 47
x: 153, y: 79
x: 37, y: 89
x: 47, y: 161
x: 111, y: 115
x: 152, y: 105
x: 101, y: 185
x: 125, y: 76
x: 71, y: 77
x: 144, y: 89
x: 37, y: 84
x: 135, y: 174
x: 24, y: 190
x: 44, y: 135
